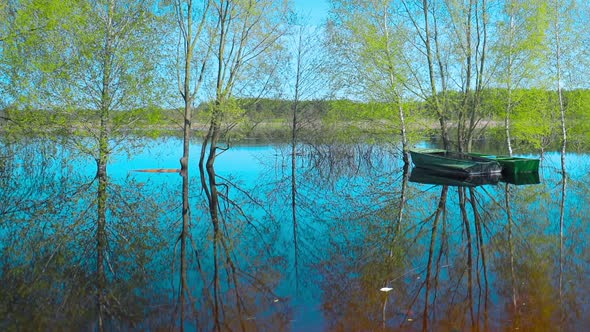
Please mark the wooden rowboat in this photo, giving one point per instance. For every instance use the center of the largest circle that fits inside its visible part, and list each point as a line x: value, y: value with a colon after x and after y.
x: 513, y: 165
x: 453, y: 163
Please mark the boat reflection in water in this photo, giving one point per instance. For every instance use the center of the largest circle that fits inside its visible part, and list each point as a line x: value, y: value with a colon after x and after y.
x: 425, y: 176
x: 522, y: 178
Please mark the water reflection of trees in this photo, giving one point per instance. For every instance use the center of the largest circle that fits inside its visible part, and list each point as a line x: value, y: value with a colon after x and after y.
x: 433, y: 276
x: 325, y: 175
x: 330, y: 162
x: 541, y: 256
x: 48, y: 252
x: 465, y: 258
x: 233, y: 271
x: 482, y: 258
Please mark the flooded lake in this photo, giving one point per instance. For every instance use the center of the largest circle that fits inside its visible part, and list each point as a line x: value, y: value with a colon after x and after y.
x: 347, y: 241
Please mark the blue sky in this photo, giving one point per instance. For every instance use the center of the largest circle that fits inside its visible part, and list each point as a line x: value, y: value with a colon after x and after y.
x: 315, y: 10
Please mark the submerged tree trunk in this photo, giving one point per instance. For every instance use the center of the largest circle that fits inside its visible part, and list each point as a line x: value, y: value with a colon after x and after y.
x: 396, y: 231
x: 465, y: 218
x: 294, y: 200
x: 191, y: 21
x: 561, y: 240
x: 209, y: 187
x: 511, y: 247
x: 184, y: 164
x: 102, y: 161
x: 209, y: 153
x: 482, y: 253
x: 294, y: 139
x: 101, y: 237
x: 439, y: 211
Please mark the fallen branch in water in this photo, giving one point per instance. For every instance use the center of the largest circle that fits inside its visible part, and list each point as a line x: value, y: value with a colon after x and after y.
x: 158, y: 170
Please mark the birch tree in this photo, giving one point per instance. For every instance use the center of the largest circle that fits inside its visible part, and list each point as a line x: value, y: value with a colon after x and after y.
x: 370, y: 41
x: 559, y: 26
x: 519, y: 50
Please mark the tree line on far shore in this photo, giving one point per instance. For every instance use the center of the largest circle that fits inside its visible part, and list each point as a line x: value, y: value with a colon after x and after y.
x: 270, y: 118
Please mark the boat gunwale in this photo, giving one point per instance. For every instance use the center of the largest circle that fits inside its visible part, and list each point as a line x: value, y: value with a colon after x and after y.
x: 472, y: 158
x: 513, y: 164
x: 471, y: 165
x: 504, y: 158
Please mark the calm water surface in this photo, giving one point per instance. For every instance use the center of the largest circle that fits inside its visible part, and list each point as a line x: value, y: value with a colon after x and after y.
x: 359, y: 248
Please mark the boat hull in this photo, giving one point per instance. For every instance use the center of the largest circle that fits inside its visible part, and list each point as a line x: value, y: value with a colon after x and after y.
x: 453, y: 163
x: 514, y: 165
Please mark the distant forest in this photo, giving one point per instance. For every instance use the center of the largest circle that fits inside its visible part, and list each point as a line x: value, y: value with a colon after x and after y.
x: 270, y: 118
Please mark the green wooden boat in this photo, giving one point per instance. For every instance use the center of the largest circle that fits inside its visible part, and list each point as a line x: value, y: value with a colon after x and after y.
x: 513, y: 165
x: 453, y: 163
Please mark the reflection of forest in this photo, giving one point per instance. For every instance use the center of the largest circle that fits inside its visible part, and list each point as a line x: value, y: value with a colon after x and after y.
x: 48, y: 243
x: 49, y: 251
x: 374, y: 251
x: 461, y: 258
